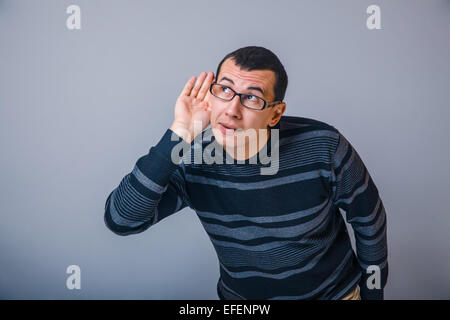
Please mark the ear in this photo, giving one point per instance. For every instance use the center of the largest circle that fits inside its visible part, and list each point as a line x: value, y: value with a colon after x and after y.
x: 278, y: 111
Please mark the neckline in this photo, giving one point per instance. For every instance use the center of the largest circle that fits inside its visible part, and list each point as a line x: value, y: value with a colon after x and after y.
x: 253, y: 160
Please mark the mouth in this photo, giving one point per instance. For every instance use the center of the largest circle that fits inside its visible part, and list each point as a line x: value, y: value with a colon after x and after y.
x: 228, y: 129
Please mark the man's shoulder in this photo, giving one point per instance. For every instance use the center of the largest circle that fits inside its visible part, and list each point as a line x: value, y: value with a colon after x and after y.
x: 292, y: 125
x: 300, y: 136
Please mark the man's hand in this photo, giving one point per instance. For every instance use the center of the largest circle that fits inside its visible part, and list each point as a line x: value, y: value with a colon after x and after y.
x: 193, y: 106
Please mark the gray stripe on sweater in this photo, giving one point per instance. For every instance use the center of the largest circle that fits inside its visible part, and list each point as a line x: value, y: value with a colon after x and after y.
x: 324, y: 284
x: 118, y: 219
x: 265, y: 219
x: 255, y: 232
x: 147, y: 182
x: 259, y: 184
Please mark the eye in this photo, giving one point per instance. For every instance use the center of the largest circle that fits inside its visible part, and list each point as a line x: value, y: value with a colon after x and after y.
x: 225, y: 89
x: 249, y: 96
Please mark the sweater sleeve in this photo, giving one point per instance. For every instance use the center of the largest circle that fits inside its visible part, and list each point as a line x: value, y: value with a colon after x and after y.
x: 154, y: 190
x: 355, y: 192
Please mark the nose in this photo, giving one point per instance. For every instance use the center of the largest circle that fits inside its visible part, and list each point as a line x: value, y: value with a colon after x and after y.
x: 233, y: 108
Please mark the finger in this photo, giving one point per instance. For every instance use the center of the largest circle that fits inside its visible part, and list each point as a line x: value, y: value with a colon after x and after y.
x: 188, y: 86
x: 198, y: 84
x: 205, y: 86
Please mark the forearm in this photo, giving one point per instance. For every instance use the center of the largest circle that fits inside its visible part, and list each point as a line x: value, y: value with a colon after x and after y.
x: 134, y: 205
x: 372, y: 251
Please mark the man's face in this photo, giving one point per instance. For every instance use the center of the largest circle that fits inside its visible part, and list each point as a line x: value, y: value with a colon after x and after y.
x: 233, y: 114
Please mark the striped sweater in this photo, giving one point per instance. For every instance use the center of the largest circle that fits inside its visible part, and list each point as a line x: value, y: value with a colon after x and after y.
x: 279, y: 236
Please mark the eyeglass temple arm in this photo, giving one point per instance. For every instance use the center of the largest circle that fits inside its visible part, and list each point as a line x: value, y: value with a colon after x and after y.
x: 273, y: 103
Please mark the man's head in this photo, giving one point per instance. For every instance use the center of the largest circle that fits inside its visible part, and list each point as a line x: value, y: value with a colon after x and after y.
x: 251, y: 70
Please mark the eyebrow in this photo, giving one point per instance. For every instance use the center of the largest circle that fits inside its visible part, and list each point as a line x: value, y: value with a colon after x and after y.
x: 249, y: 88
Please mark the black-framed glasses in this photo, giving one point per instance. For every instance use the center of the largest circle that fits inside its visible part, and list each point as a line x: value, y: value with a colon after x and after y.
x: 247, y: 100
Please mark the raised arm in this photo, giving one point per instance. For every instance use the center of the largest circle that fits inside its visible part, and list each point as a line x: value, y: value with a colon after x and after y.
x: 155, y: 188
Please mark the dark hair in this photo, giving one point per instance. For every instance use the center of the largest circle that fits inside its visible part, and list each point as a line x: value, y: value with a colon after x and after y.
x: 259, y: 58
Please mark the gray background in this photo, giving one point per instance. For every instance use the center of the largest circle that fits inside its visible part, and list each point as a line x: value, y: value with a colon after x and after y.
x: 78, y: 108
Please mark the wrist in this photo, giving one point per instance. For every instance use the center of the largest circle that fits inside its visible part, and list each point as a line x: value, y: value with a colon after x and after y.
x: 182, y: 131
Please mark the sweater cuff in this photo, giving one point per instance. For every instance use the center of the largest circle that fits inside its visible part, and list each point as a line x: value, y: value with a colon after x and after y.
x: 374, y: 293
x: 168, y: 141
x: 370, y: 294
x: 159, y: 164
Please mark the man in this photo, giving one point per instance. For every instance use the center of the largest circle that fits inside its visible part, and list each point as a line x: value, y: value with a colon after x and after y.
x: 277, y: 235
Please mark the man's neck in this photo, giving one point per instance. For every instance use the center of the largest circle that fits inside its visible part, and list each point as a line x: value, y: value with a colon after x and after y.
x: 237, y: 152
